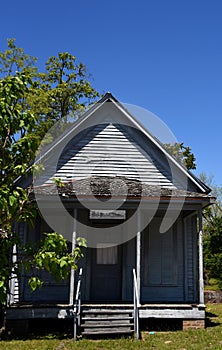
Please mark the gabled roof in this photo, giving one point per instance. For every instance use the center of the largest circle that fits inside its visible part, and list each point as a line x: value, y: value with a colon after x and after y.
x: 94, y: 115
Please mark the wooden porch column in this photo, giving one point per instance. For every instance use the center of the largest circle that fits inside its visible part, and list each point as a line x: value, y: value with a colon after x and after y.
x: 72, y: 273
x: 201, y: 279
x: 138, y: 251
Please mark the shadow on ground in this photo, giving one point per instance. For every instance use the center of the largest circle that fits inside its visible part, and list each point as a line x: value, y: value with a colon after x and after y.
x: 212, y: 320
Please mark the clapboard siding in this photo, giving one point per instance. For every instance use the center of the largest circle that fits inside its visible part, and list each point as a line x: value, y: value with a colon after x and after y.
x: 191, y: 258
x: 108, y: 150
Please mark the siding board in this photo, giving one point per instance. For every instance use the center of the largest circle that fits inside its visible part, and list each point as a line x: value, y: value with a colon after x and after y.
x: 191, y: 258
x: 108, y: 149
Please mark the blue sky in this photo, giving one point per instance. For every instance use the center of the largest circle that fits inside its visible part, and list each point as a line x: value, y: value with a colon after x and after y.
x: 162, y: 55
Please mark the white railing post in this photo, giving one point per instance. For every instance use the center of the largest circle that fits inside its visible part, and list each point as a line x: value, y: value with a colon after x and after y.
x: 136, y: 304
x: 77, y: 306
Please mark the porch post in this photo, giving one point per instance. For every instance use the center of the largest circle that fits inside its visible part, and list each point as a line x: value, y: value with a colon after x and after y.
x: 201, y: 279
x: 72, y: 274
x: 138, y: 252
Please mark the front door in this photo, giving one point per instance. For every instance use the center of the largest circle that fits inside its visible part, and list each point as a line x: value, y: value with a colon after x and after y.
x: 106, y: 273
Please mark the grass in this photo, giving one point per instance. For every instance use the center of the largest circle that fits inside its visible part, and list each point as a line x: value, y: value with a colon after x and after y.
x: 209, y: 338
x: 213, y: 285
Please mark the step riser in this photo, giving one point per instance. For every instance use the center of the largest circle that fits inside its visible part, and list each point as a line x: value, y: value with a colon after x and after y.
x: 93, y: 318
x: 110, y: 333
x: 107, y: 312
x: 104, y: 317
x: 107, y: 331
x: 107, y: 324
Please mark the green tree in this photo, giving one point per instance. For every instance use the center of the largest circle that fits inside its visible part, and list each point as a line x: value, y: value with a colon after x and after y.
x: 17, y: 149
x: 183, y: 154
x: 212, y: 229
x: 212, y: 247
x: 14, y: 59
x: 216, y: 191
x: 60, y: 92
x: 57, y: 93
x: 30, y: 103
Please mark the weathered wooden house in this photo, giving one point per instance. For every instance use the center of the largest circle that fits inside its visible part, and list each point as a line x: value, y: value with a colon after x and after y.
x: 140, y: 211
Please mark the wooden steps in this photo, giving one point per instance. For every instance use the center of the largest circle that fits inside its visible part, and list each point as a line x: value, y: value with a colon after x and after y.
x: 106, y: 320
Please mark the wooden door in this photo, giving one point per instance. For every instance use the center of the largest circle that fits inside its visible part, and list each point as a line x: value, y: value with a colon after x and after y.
x: 106, y: 273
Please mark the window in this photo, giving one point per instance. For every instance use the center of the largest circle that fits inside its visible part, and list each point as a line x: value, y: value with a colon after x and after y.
x: 107, y: 254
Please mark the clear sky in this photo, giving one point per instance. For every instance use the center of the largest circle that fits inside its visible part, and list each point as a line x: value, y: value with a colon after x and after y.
x: 162, y: 55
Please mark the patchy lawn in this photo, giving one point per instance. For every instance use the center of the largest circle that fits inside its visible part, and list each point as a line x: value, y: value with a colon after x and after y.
x: 209, y: 338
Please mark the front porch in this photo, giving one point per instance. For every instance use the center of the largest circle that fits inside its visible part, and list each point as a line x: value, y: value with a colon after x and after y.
x: 105, y: 318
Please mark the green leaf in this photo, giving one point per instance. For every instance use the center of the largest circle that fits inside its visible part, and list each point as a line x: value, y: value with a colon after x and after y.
x: 12, y: 200
x: 34, y: 283
x: 63, y: 263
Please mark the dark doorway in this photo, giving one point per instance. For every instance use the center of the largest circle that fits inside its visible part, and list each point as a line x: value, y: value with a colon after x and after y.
x: 106, y: 273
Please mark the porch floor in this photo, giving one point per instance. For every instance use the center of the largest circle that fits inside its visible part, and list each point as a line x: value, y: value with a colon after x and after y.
x: 62, y: 311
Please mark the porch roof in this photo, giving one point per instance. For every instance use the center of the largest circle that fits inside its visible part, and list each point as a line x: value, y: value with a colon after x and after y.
x: 118, y: 187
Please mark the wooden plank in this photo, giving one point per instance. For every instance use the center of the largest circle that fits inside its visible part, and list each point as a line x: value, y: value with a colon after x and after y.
x: 193, y: 313
x: 119, y: 317
x: 40, y: 312
x: 105, y: 324
x: 107, y: 311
